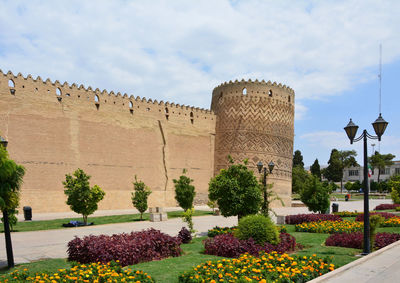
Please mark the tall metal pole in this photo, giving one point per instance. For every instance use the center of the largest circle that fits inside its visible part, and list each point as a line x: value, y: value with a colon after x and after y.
x: 366, y: 199
x: 265, y: 212
x: 7, y: 234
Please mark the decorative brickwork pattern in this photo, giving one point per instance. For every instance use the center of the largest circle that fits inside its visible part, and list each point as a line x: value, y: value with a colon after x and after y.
x: 255, y: 121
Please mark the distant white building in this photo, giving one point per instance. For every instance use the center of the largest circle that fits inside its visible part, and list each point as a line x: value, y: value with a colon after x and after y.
x: 353, y: 174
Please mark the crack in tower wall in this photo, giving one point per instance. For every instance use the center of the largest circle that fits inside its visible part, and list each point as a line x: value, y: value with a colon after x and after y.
x: 163, y: 154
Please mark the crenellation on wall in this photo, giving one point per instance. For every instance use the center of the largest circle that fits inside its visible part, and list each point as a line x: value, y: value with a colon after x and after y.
x: 80, y: 93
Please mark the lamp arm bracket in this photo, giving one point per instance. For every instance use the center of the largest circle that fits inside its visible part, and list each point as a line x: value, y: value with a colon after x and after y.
x: 359, y: 138
x: 372, y: 137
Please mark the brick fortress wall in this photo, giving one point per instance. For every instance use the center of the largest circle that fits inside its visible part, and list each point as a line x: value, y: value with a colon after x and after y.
x: 255, y: 121
x: 54, y: 128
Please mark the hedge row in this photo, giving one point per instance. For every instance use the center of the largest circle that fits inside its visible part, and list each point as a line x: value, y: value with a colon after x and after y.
x: 146, y: 245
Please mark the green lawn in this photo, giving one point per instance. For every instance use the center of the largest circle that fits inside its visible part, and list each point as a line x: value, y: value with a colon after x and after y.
x: 168, y: 270
x: 24, y: 226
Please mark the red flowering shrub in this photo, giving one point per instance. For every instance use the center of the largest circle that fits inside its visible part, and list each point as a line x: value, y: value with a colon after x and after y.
x: 385, y: 215
x: 146, y: 245
x: 355, y: 240
x: 386, y: 206
x: 347, y: 240
x: 310, y: 217
x: 185, y: 236
x: 385, y: 239
x: 227, y: 245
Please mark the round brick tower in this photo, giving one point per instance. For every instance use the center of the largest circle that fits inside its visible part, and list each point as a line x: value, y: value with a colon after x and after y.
x: 255, y: 121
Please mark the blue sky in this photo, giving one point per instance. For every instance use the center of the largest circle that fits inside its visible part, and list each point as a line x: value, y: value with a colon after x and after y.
x: 178, y: 51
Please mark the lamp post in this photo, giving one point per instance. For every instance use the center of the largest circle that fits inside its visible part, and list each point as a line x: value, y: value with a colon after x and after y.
x: 7, y: 234
x: 260, y: 166
x: 351, y: 130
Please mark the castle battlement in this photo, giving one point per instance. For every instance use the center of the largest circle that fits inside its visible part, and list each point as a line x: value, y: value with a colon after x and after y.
x: 65, y: 91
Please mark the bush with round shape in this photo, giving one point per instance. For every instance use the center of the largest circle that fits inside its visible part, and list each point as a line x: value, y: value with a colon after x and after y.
x: 258, y: 227
x: 185, y: 236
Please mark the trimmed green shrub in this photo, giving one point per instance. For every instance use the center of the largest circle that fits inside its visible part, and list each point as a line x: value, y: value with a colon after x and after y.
x: 258, y: 227
x: 374, y: 222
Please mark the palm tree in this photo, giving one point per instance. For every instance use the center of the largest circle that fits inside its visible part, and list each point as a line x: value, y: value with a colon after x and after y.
x: 380, y: 161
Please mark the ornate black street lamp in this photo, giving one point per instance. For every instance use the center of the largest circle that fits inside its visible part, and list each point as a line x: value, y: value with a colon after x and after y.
x: 351, y: 130
x: 271, y: 165
x: 7, y: 234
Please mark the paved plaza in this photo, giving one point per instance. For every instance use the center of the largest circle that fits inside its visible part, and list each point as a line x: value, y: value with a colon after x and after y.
x: 382, y: 265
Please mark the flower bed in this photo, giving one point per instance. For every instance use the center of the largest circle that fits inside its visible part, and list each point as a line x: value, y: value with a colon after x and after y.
x: 330, y: 227
x: 227, y: 245
x: 129, y: 249
x: 220, y: 230
x: 386, y: 206
x: 310, y: 217
x: 95, y: 272
x: 391, y: 222
x: 355, y: 240
x: 385, y: 215
x: 266, y: 267
x: 347, y: 213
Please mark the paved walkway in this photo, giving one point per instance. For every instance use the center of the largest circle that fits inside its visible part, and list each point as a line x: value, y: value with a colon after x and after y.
x: 380, y: 266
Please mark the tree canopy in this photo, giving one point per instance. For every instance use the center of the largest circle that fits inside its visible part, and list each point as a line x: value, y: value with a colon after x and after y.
x: 299, y: 178
x: 81, y: 197
x: 236, y: 191
x: 184, y: 191
x: 11, y: 176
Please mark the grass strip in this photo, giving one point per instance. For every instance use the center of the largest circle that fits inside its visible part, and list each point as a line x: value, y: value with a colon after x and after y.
x: 25, y: 226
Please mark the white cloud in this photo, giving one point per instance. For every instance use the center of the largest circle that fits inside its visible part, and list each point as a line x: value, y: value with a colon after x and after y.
x: 180, y: 50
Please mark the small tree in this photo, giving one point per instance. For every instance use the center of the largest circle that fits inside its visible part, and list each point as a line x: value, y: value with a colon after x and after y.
x: 140, y: 196
x: 315, y: 196
x: 184, y: 195
x: 236, y: 191
x: 80, y: 197
x: 184, y: 191
x: 11, y: 175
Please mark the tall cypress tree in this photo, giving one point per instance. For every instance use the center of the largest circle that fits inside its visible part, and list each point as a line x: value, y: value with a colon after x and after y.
x: 298, y: 159
x: 334, y: 171
x: 316, y: 169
